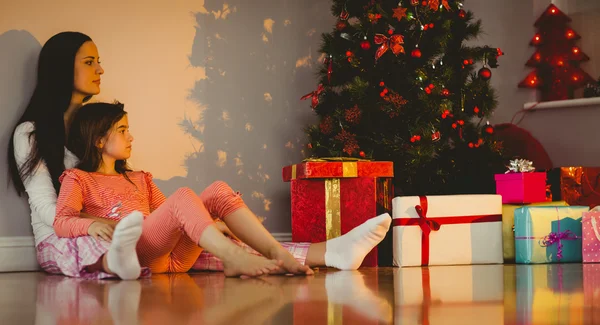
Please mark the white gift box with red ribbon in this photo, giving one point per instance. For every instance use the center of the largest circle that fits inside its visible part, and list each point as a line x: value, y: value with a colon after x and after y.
x: 447, y: 230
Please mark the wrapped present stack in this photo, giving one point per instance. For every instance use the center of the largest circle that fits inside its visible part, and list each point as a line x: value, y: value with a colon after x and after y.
x: 522, y: 188
x: 332, y: 196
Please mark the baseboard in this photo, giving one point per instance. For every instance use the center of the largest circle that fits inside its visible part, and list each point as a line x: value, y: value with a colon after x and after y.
x: 17, y: 254
x: 282, y: 236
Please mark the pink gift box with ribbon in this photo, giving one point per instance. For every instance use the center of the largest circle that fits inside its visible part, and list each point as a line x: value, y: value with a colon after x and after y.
x: 520, y: 184
x: 590, y: 224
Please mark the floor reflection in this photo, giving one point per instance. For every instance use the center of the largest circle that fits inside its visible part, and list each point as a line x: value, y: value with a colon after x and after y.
x: 474, y: 294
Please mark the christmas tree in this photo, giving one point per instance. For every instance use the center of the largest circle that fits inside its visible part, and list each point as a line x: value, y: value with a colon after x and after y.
x: 399, y: 83
x: 556, y: 61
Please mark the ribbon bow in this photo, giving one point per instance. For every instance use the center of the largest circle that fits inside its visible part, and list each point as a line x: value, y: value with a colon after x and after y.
x: 393, y: 42
x: 426, y: 225
x: 555, y: 238
x: 520, y: 166
x: 314, y: 95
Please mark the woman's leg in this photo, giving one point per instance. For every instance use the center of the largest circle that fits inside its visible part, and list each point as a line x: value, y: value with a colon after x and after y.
x: 184, y: 212
x: 224, y: 203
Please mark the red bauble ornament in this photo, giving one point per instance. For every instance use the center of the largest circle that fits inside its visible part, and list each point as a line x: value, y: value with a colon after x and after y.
x: 362, y: 154
x: 462, y: 14
x: 454, y: 126
x: 461, y: 122
x: 416, y: 53
x: 381, y: 84
x: 488, y: 129
x: 390, y: 31
x: 427, y: 90
x: 365, y: 45
x: 431, y: 25
x: 445, y: 92
x: 341, y: 25
x: 436, y: 136
x: 431, y: 86
x: 476, y: 110
x: 485, y: 73
x: 414, y: 2
x: 348, y: 53
x: 471, y: 145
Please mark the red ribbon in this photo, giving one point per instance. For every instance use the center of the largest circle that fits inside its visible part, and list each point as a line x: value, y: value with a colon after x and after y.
x: 314, y: 95
x: 434, y: 224
x: 393, y: 42
x: 446, y: 5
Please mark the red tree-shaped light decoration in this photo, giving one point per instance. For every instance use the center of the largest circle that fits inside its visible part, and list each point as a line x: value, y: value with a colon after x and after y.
x: 556, y: 60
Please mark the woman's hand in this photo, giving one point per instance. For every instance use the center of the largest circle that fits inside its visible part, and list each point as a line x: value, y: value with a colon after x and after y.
x: 101, y: 230
x: 224, y: 229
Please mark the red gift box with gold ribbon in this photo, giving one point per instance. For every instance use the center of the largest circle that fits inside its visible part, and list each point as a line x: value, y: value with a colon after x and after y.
x: 332, y: 196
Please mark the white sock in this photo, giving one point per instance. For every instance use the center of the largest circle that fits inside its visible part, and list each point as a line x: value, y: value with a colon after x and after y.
x: 348, y: 251
x: 121, y: 257
x: 348, y: 288
x: 124, y: 301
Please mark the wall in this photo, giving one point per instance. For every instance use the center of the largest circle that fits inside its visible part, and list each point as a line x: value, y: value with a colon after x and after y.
x: 212, y: 89
x: 568, y: 134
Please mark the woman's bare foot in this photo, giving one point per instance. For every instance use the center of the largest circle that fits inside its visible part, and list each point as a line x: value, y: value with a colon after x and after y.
x: 290, y: 264
x: 240, y: 263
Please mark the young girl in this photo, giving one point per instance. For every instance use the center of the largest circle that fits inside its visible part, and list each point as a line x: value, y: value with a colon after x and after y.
x: 68, y: 74
x: 169, y: 234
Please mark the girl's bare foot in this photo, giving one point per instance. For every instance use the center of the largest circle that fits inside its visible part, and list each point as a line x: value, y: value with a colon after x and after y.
x: 290, y: 264
x: 240, y: 263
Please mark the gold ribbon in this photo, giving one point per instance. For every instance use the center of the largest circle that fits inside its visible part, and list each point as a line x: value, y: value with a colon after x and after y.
x: 333, y: 222
x: 340, y: 159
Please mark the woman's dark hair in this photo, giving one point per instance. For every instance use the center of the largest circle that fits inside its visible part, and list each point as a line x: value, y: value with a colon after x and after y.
x: 91, y: 123
x: 50, y: 100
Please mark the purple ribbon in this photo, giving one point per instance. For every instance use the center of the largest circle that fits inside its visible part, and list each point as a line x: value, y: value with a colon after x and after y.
x: 555, y: 238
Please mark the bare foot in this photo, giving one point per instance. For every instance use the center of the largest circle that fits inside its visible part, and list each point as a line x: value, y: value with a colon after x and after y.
x: 290, y: 264
x: 241, y: 263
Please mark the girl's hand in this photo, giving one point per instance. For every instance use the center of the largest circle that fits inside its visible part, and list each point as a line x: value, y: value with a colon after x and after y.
x: 101, y: 230
x: 224, y: 229
x: 109, y: 222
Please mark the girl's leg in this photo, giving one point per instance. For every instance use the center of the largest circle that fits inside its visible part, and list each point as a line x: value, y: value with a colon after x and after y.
x: 224, y: 203
x: 185, y: 212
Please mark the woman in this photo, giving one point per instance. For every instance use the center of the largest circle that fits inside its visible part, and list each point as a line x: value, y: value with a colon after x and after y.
x: 68, y: 75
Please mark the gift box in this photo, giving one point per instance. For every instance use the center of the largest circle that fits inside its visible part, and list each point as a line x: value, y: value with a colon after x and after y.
x: 447, y: 230
x: 540, y: 298
x: 454, y: 294
x: 330, y: 198
x: 521, y: 187
x: 575, y: 185
x: 590, y: 224
x: 591, y: 293
x: 548, y: 234
x: 508, y: 226
x: 520, y: 184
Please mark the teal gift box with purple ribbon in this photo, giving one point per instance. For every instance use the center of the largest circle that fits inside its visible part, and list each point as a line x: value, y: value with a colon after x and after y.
x: 548, y: 234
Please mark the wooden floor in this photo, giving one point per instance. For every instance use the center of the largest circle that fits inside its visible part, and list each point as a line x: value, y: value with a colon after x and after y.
x: 485, y: 294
